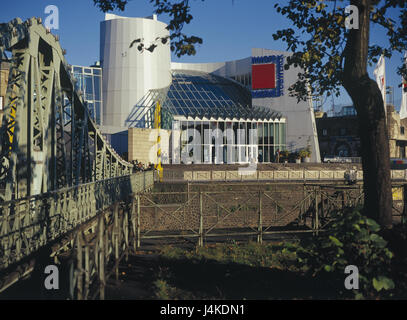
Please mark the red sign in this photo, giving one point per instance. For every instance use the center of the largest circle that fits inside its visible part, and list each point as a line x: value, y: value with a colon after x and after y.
x: 263, y: 76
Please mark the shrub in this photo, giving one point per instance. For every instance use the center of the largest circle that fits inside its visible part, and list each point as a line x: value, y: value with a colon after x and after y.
x: 304, y: 153
x: 353, y: 239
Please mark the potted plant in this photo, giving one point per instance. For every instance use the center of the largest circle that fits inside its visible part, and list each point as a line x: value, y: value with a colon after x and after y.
x: 298, y: 157
x: 284, y: 156
x: 308, y: 154
x: 305, y: 154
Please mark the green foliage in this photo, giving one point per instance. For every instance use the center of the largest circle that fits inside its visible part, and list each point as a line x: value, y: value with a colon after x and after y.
x: 292, y: 156
x: 304, y: 153
x: 163, y: 290
x: 353, y: 239
x: 280, y: 256
x: 319, y: 40
x: 317, y: 262
x: 284, y: 156
x: 110, y: 5
x: 383, y: 283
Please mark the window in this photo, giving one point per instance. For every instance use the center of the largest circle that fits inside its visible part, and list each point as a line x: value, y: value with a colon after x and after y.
x: 89, y: 87
x: 1, y: 103
x: 324, y: 132
x: 97, y: 81
x: 402, y: 152
x: 271, y: 133
x: 342, y: 131
x: 260, y: 133
x: 282, y: 134
x: 266, y: 133
x: 402, y: 130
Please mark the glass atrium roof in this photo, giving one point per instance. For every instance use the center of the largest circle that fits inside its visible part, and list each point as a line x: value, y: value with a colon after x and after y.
x: 197, y: 94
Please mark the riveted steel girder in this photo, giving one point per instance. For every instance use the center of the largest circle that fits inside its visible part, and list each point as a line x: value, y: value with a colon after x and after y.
x: 47, y: 139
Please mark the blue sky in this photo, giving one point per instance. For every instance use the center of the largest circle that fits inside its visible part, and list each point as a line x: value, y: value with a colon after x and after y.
x: 229, y: 30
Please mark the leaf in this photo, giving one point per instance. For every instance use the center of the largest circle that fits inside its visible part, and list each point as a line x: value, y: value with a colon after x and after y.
x: 363, y: 235
x: 388, y: 253
x: 133, y: 42
x: 374, y: 226
x: 336, y: 241
x: 151, y: 48
x: 383, y: 283
x: 327, y: 268
x: 378, y: 241
x: 356, y: 226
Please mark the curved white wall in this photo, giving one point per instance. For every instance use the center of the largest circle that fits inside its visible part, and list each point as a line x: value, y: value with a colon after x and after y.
x: 128, y: 74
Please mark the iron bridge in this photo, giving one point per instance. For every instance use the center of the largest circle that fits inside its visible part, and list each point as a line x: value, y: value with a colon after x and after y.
x: 63, y: 188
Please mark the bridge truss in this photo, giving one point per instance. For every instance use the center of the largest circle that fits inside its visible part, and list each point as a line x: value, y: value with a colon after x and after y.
x: 47, y: 139
x: 63, y: 188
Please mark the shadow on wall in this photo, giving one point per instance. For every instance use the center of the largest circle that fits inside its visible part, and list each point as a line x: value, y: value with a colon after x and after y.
x: 119, y: 142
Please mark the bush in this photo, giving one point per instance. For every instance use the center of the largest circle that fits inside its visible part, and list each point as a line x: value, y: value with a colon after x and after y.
x: 304, y: 153
x: 353, y: 239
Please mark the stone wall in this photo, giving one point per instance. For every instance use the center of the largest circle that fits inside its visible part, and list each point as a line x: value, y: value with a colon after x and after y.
x: 4, y: 71
x: 143, y: 145
x: 397, y: 131
x: 341, y: 134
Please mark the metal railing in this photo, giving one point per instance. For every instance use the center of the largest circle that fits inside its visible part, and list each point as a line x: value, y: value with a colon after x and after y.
x: 30, y: 223
x: 271, y: 175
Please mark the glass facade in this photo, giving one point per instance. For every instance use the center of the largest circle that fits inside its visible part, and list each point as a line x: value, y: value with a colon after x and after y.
x: 236, y: 141
x: 89, y: 82
x: 216, y: 120
x: 271, y: 138
x: 198, y: 94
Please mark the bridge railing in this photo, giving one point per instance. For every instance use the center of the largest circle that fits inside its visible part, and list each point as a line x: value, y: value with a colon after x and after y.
x: 30, y: 223
x: 235, y: 211
x: 270, y: 175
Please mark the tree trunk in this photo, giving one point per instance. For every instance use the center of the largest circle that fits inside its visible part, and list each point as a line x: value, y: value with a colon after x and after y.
x: 369, y: 105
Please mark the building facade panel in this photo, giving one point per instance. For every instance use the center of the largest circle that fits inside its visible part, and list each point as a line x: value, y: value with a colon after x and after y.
x: 129, y: 73
x: 301, y: 127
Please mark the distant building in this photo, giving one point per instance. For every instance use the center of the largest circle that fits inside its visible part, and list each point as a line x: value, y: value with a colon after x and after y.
x: 339, y: 135
x: 89, y: 83
x: 200, y: 102
x: 240, y: 95
x: 397, y: 133
x: 4, y: 71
